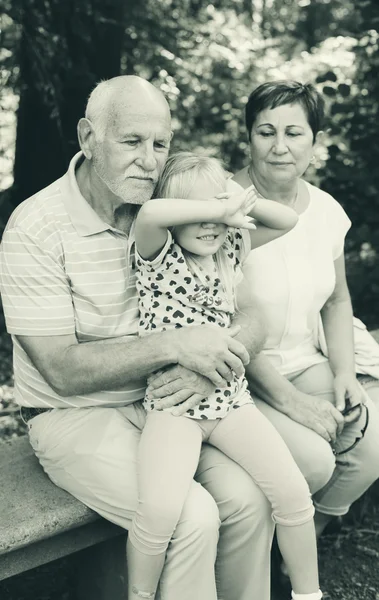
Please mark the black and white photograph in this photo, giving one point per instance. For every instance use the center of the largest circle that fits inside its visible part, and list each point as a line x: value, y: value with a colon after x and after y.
x: 189, y: 280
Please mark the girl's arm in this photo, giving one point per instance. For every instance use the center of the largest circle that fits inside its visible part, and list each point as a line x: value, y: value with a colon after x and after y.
x: 272, y: 220
x: 156, y: 216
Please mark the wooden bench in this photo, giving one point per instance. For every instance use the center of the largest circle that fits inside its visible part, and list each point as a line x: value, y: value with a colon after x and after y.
x: 39, y: 523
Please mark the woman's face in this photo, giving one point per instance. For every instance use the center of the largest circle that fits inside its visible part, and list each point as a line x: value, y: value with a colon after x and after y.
x: 281, y: 143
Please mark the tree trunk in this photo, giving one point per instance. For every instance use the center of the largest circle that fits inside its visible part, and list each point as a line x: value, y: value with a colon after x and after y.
x: 66, y: 48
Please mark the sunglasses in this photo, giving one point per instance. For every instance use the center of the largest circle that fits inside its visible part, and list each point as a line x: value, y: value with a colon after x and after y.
x: 347, y: 411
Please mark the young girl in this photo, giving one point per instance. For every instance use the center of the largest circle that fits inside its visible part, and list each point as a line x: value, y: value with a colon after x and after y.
x: 189, y: 250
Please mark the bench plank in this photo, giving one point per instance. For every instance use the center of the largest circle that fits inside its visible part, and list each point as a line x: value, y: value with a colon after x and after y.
x: 40, y: 522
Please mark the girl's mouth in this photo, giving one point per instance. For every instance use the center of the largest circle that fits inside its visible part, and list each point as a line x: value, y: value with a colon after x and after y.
x: 208, y: 238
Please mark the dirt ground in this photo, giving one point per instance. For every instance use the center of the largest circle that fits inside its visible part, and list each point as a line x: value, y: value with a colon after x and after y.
x: 349, y: 556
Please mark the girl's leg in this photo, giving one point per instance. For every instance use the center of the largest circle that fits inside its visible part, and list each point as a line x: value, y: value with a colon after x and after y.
x: 169, y: 452
x: 247, y: 437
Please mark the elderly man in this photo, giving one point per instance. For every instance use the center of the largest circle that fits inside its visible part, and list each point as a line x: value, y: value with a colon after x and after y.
x: 68, y: 285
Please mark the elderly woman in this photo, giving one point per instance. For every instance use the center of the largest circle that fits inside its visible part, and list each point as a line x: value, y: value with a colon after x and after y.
x: 316, y: 402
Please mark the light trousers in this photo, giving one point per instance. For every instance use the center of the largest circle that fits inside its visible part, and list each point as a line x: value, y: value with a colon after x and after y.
x: 350, y: 474
x: 92, y: 453
x: 168, y: 455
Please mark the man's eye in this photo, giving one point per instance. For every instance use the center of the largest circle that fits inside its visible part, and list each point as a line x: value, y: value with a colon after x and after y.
x: 130, y: 142
x: 161, y: 145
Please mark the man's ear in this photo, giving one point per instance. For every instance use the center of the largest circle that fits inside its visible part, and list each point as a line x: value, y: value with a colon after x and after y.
x: 86, y: 137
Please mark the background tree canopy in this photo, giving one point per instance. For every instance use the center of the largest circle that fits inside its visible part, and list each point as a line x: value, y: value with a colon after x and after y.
x: 206, y: 57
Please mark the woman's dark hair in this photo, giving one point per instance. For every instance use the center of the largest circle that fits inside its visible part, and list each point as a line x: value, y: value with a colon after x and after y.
x: 276, y: 93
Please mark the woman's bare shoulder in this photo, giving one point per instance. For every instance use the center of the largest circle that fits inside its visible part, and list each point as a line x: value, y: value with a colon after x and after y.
x: 242, y: 177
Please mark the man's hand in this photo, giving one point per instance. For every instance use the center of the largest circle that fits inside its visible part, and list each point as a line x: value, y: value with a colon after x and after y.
x: 210, y: 351
x: 316, y: 413
x: 178, y: 385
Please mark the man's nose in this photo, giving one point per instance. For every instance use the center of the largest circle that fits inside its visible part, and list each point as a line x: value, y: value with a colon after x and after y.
x: 147, y: 159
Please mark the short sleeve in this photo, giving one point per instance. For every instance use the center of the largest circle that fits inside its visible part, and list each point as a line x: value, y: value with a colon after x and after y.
x: 339, y: 224
x: 151, y: 265
x: 237, y: 245
x: 35, y: 291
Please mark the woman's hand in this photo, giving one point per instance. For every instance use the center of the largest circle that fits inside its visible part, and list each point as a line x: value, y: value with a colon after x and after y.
x: 316, y: 413
x: 237, y: 207
x: 348, y: 394
x: 178, y: 386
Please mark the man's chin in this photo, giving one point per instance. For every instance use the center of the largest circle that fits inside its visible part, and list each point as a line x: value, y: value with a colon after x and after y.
x: 137, y: 195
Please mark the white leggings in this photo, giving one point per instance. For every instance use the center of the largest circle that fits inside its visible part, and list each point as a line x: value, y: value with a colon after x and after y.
x: 169, y: 452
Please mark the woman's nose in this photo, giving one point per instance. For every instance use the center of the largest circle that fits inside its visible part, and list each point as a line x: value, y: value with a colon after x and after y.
x: 280, y: 144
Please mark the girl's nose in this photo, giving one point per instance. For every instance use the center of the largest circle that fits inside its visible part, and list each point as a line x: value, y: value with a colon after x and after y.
x: 209, y: 225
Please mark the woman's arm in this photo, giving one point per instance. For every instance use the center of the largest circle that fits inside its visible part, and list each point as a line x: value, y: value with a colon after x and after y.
x: 316, y: 413
x: 272, y: 220
x: 337, y: 319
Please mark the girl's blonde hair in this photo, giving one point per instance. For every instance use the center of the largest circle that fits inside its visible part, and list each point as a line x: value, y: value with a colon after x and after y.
x: 182, y: 170
x: 177, y: 180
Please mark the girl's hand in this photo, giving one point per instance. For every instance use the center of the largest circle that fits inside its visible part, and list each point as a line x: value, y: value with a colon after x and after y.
x: 237, y: 207
x: 349, y: 394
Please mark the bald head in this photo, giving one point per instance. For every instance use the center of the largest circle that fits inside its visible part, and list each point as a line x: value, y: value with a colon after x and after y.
x: 125, y: 94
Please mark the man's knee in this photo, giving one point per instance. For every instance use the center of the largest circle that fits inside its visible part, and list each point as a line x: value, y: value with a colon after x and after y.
x: 248, y: 503
x: 200, y: 520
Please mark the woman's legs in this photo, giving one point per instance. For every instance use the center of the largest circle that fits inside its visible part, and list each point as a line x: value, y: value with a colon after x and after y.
x: 249, y: 438
x: 168, y: 455
x: 355, y: 470
x: 371, y: 386
x: 336, y: 482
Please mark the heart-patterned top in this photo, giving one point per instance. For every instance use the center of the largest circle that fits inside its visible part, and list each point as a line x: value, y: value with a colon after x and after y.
x: 172, y: 295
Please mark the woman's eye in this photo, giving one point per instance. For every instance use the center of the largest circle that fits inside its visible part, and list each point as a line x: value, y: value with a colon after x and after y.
x: 293, y: 134
x: 266, y: 133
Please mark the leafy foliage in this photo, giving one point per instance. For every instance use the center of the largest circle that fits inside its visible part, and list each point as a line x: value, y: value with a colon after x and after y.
x: 206, y: 57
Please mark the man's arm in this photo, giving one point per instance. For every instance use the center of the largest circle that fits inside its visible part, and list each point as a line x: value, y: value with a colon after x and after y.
x: 71, y: 368
x: 249, y: 317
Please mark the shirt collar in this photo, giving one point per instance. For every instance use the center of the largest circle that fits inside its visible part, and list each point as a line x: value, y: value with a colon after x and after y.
x: 85, y: 220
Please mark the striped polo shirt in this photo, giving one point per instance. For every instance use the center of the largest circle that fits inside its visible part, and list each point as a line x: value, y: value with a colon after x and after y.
x: 64, y: 271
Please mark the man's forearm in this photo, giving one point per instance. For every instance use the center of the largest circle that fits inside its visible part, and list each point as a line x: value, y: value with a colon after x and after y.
x: 73, y: 368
